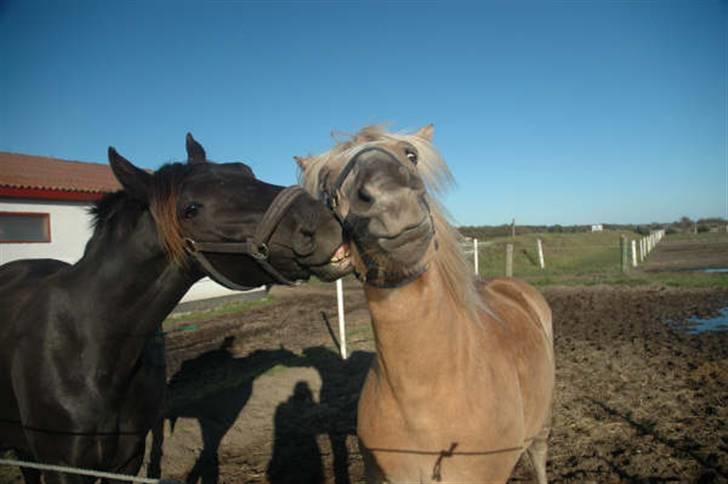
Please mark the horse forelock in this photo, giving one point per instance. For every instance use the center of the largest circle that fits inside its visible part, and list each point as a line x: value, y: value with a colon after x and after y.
x: 163, y: 206
x: 431, y: 167
x: 121, y: 210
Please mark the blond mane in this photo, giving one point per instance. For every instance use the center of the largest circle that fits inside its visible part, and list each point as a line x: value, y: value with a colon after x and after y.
x: 449, y: 258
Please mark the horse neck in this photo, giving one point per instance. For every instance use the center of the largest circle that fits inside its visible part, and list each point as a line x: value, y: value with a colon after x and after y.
x: 420, y: 333
x: 129, y: 281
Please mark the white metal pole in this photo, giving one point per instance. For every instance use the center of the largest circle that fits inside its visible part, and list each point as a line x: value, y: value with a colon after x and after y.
x: 475, y: 256
x: 342, y: 323
x: 540, y: 253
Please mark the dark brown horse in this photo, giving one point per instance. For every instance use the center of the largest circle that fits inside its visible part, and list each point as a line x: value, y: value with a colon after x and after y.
x: 81, y: 378
x: 462, y: 382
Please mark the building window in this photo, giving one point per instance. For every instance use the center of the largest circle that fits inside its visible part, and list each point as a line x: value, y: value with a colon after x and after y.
x: 24, y: 227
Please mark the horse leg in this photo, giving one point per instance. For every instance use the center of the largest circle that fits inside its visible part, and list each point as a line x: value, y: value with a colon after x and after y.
x: 154, y: 468
x: 537, y: 453
x: 61, y: 478
x: 31, y: 476
x: 130, y: 467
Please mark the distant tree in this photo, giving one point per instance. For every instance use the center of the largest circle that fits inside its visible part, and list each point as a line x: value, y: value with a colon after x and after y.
x: 686, y: 223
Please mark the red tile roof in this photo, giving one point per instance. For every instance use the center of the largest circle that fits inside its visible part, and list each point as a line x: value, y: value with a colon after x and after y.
x: 42, y: 173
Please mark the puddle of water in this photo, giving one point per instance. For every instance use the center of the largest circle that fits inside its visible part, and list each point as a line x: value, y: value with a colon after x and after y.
x: 717, y: 269
x: 718, y: 323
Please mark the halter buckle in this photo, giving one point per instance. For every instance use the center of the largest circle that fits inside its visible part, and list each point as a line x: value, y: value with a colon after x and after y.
x: 190, y: 245
x: 261, y: 251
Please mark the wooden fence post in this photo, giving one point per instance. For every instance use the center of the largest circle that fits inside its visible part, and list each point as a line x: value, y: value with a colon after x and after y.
x: 623, y: 250
x: 509, y: 260
x: 540, y: 253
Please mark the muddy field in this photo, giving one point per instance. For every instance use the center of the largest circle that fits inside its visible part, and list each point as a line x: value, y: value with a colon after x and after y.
x: 265, y: 397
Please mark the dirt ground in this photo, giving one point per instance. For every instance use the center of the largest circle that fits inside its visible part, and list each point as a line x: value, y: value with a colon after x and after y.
x: 266, y: 398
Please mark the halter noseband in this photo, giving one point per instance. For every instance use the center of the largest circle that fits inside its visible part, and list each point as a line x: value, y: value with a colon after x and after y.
x: 255, y: 247
x: 330, y: 195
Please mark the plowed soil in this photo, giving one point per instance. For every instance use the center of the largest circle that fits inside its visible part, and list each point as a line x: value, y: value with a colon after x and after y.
x: 264, y: 397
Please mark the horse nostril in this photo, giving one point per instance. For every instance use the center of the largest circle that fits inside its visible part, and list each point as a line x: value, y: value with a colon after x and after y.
x: 307, y: 233
x: 305, y: 241
x: 364, y: 195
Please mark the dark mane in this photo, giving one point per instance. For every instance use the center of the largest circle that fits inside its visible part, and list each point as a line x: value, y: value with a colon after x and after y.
x: 121, y: 211
x: 111, y: 204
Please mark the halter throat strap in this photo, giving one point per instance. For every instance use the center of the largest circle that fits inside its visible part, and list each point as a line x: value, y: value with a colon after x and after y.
x: 256, y: 247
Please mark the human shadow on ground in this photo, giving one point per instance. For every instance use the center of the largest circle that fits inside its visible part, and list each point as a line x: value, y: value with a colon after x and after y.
x: 299, y: 420
x: 213, y: 389
x: 295, y: 440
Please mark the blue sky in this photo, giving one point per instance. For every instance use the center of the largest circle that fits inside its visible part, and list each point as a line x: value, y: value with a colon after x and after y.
x: 550, y: 112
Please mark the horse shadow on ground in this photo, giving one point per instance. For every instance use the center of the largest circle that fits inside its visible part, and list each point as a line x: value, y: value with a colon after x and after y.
x: 214, y: 388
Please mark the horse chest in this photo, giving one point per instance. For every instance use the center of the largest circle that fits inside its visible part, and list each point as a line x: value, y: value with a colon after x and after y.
x: 461, y: 431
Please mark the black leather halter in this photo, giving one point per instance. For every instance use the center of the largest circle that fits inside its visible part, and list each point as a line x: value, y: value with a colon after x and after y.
x: 330, y: 195
x: 255, y: 247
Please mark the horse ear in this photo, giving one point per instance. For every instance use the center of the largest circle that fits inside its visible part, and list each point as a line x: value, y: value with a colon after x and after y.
x: 195, y: 151
x: 302, y: 161
x: 135, y: 181
x: 426, y: 132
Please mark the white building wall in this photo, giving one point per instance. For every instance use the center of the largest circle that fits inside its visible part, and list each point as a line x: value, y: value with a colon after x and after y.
x: 70, y: 229
x: 70, y: 225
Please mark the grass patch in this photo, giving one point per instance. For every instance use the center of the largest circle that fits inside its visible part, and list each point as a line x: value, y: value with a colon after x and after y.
x: 580, y: 254
x: 586, y: 259
x: 185, y: 321
x: 693, y: 279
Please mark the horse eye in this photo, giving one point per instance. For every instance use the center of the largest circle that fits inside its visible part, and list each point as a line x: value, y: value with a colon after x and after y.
x: 191, y: 210
x: 411, y: 155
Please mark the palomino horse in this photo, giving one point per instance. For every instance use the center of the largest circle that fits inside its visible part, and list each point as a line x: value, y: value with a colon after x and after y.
x: 464, y: 373
x: 81, y: 377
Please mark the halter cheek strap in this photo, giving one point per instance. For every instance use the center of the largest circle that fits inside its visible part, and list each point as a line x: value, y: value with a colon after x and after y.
x: 256, y: 247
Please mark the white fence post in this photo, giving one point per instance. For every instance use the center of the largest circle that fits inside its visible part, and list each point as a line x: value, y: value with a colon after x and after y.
x: 634, y: 253
x: 342, y: 323
x: 540, y: 253
x: 475, y: 256
x: 642, y: 250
